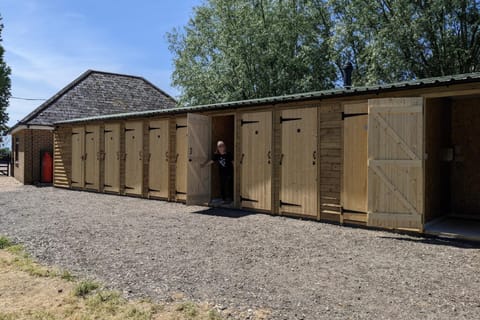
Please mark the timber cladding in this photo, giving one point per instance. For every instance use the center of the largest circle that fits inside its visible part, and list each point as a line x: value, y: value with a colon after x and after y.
x: 62, y: 157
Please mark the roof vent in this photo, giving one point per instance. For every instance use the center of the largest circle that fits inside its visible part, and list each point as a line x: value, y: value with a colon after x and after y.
x: 347, y: 75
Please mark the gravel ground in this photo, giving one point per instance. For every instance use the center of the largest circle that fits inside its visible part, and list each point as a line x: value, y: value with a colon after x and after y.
x: 297, y: 269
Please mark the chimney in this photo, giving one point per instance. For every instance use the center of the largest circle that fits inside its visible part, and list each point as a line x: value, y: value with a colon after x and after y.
x: 347, y: 75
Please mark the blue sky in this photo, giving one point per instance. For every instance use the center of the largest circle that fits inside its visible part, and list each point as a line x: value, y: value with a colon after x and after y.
x: 49, y: 43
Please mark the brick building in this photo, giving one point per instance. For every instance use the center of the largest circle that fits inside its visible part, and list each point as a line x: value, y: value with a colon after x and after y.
x: 94, y: 93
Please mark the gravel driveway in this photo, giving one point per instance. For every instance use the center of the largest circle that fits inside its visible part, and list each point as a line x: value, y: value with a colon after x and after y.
x: 297, y: 269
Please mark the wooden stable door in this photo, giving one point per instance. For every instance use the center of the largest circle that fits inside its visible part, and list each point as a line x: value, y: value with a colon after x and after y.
x: 112, y: 158
x: 181, y: 146
x: 92, y: 157
x: 78, y: 164
x: 198, y: 178
x: 395, y: 163
x: 355, y: 161
x: 134, y: 158
x: 256, y: 160
x: 299, y: 162
x: 158, y: 159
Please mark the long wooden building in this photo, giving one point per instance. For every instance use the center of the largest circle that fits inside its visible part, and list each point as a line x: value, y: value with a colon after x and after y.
x: 395, y: 156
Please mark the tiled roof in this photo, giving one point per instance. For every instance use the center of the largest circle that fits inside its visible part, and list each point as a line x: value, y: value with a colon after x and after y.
x: 97, y: 93
x: 342, y: 92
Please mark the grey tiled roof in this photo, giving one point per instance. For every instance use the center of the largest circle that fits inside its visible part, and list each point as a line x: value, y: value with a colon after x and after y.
x: 97, y: 93
x: 326, y: 94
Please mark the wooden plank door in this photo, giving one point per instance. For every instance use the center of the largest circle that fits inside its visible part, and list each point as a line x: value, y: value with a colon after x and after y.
x: 78, y: 162
x: 92, y: 157
x: 395, y: 163
x: 256, y: 160
x: 355, y: 162
x: 299, y: 162
x: 181, y: 147
x: 198, y: 179
x: 112, y: 158
x: 158, y: 159
x: 134, y: 157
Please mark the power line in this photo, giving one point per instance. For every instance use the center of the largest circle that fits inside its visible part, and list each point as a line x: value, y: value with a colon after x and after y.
x: 27, y: 99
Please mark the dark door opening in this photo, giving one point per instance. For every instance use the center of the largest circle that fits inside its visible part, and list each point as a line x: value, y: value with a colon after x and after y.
x: 452, y: 177
x: 223, y: 128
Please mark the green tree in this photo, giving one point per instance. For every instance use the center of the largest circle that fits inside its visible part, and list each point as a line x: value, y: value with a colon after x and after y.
x: 4, y: 86
x: 392, y: 40
x: 236, y: 50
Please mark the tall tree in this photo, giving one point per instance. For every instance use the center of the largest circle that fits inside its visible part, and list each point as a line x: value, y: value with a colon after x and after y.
x: 235, y: 50
x: 391, y: 40
x: 4, y: 86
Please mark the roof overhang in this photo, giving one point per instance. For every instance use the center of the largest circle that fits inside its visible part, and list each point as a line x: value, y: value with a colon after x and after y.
x: 21, y: 127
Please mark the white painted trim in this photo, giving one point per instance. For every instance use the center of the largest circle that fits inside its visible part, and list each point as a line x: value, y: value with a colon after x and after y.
x: 31, y: 127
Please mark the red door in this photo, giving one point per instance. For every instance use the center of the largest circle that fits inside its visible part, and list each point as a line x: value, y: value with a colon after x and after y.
x: 47, y: 167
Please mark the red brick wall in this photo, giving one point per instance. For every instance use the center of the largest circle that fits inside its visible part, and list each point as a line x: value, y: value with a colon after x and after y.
x: 32, y: 143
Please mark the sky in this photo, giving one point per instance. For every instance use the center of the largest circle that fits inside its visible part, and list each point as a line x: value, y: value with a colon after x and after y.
x: 49, y: 43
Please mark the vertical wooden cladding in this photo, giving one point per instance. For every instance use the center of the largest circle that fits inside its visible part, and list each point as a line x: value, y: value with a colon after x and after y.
x: 395, y: 165
x: 181, y: 145
x: 134, y: 157
x: 256, y: 160
x: 112, y: 158
x: 78, y: 165
x: 198, y: 178
x: 158, y: 177
x: 355, y: 157
x: 92, y: 157
x: 299, y: 162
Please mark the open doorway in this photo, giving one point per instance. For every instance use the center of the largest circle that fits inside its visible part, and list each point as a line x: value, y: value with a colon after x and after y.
x: 452, y: 177
x: 223, y: 129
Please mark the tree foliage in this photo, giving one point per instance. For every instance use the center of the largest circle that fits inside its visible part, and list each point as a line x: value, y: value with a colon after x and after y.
x: 4, y: 86
x: 392, y: 40
x: 235, y: 50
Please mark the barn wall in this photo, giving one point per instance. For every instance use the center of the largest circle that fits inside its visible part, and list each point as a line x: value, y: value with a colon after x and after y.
x: 62, y: 157
x: 331, y: 144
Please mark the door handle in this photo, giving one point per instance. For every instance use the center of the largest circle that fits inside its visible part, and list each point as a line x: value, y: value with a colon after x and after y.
x: 176, y: 158
x: 269, y: 156
x: 140, y: 155
x: 166, y: 156
x: 241, y: 159
x: 314, y: 155
x: 281, y: 159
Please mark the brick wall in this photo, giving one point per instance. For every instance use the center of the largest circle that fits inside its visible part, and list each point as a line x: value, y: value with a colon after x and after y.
x: 31, y: 143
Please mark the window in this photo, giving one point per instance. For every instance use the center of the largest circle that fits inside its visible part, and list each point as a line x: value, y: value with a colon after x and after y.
x: 17, y: 145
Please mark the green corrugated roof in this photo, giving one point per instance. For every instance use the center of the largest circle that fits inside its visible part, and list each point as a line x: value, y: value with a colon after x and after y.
x: 429, y: 82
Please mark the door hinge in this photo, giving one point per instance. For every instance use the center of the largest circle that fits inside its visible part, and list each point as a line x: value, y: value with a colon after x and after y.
x: 74, y: 133
x: 282, y: 119
x: 289, y: 204
x: 352, y: 115
x: 242, y: 122
x: 153, y: 128
x: 107, y: 185
x: 128, y: 129
x: 154, y: 190
x: 178, y: 126
x: 247, y: 200
x: 179, y: 192
x: 105, y: 131
x: 88, y: 132
x: 88, y: 183
x: 129, y: 188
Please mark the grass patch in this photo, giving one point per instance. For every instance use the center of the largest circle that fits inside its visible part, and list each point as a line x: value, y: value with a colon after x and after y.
x: 5, y: 243
x: 84, y: 288
x: 66, y: 275
x: 188, y: 308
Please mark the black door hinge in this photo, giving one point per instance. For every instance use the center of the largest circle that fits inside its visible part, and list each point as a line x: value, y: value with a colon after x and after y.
x: 282, y: 119
x: 242, y: 122
x: 289, y: 204
x: 247, y: 200
x: 154, y: 190
x: 153, y: 128
x: 179, y: 192
x: 178, y: 126
x: 344, y: 116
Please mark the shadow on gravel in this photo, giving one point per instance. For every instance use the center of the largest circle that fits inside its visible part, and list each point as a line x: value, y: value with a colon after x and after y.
x: 462, y: 244
x: 227, y: 213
